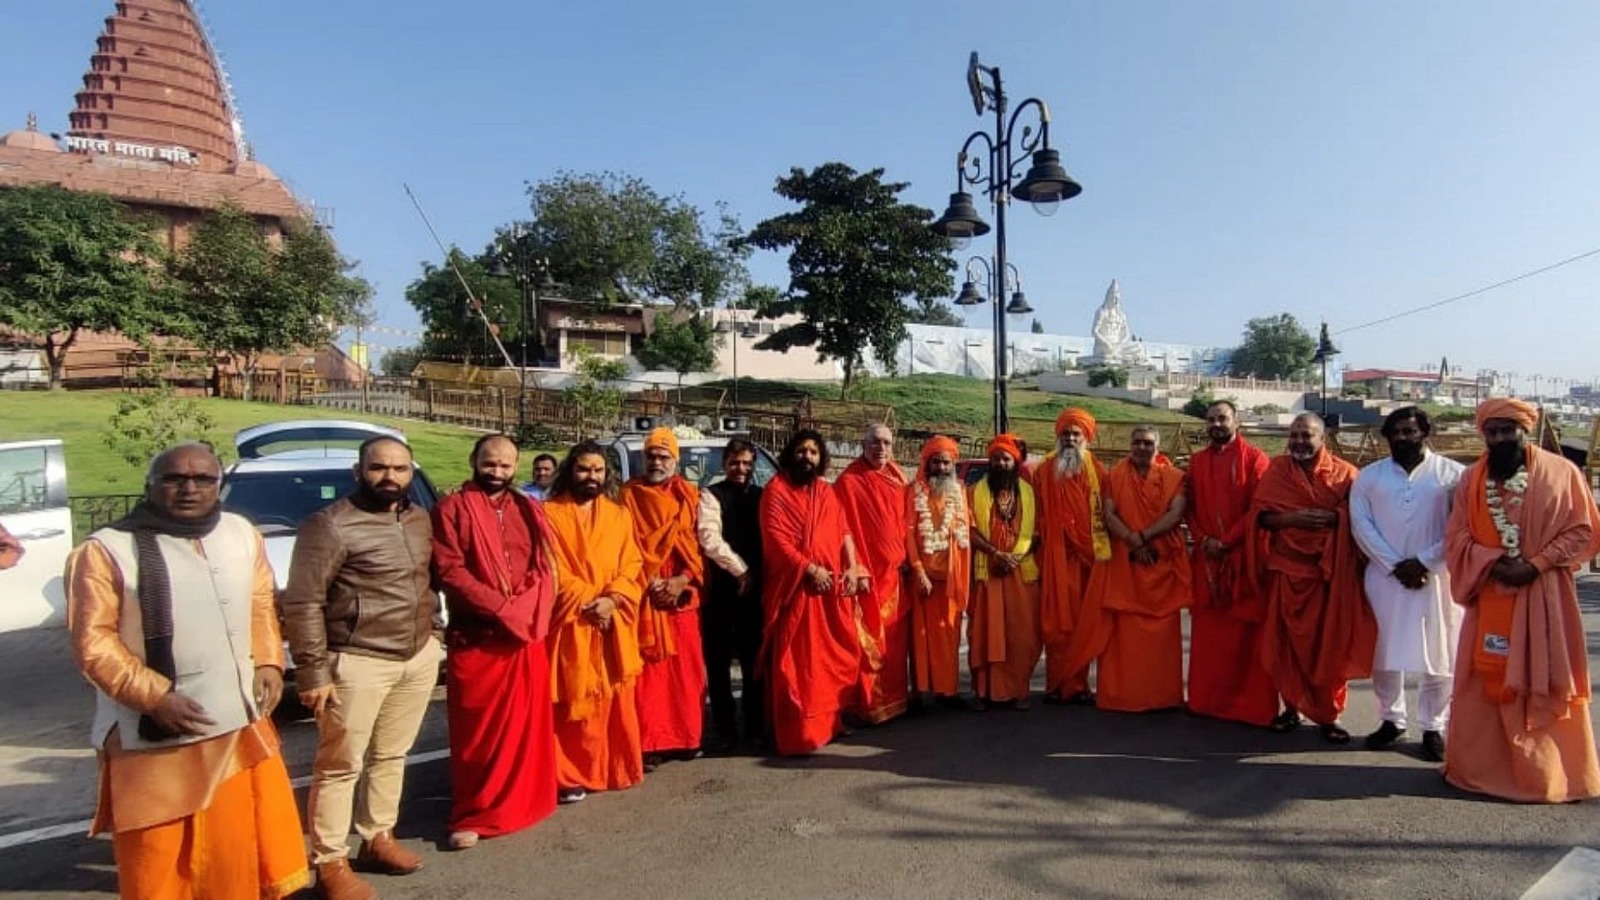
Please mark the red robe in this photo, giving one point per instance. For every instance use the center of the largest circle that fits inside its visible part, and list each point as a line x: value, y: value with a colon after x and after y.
x: 810, y: 652
x: 498, y: 578
x: 1319, y: 631
x: 875, y: 513
x: 1226, y: 678
x: 673, y: 683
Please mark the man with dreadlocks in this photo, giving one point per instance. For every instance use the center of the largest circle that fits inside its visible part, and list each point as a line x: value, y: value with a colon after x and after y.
x: 1003, y: 623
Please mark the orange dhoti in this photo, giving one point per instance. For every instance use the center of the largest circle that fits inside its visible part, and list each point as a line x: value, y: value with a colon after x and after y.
x: 939, y: 546
x: 936, y: 637
x: 1073, y: 545
x: 1003, y: 637
x: 1519, y: 712
x: 671, y: 692
x: 874, y: 505
x: 600, y: 750
x: 247, y: 844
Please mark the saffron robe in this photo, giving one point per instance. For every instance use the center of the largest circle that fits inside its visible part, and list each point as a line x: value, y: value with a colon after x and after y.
x: 874, y: 511
x: 810, y: 652
x: 1073, y: 544
x: 211, y: 818
x: 1141, y: 667
x: 496, y: 566
x: 936, y: 618
x: 1319, y: 631
x: 594, y: 672
x: 672, y: 686
x: 1003, y: 640
x: 1226, y: 678
x: 1533, y: 741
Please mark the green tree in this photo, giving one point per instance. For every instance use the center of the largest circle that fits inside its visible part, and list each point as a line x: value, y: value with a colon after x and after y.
x: 930, y: 311
x: 451, y: 327
x: 612, y: 238
x: 1274, y: 347
x: 246, y: 298
x: 594, y: 391
x: 401, y: 361
x: 688, y: 345
x: 759, y: 298
x: 71, y: 262
x: 857, y: 254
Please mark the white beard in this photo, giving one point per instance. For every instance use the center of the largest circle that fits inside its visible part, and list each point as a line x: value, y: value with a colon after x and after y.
x: 947, y: 488
x: 1069, y: 461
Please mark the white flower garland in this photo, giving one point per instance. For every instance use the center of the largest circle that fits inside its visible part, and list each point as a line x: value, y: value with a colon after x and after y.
x: 1510, y: 534
x: 937, y: 540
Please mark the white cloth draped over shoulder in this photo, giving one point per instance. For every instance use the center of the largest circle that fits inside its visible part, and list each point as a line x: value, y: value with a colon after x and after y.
x: 1395, y: 516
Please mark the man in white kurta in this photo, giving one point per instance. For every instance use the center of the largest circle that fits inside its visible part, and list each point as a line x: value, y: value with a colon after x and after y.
x: 1398, y: 510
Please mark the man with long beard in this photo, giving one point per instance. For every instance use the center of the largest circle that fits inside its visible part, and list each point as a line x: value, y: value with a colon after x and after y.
x: 1398, y: 510
x: 1003, y: 642
x: 1319, y: 631
x: 872, y: 492
x: 193, y: 787
x: 811, y: 652
x: 1071, y: 487
x: 665, y: 508
x: 1226, y: 678
x: 359, y: 615
x: 939, y: 546
x: 594, y: 643
x: 1522, y: 523
x: 1147, y: 583
x: 493, y: 557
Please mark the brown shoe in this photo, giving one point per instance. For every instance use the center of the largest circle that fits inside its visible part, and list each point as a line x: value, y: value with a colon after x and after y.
x: 335, y: 881
x: 384, y: 854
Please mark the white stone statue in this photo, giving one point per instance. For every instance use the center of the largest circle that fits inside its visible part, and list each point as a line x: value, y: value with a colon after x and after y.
x: 1112, y: 334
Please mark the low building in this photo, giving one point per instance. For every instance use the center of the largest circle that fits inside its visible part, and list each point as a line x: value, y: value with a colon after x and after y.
x: 1400, y: 384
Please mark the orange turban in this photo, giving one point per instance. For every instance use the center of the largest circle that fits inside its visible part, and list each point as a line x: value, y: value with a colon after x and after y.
x: 1519, y: 411
x: 1005, y: 443
x: 1072, y: 415
x: 664, y: 438
x: 936, y: 445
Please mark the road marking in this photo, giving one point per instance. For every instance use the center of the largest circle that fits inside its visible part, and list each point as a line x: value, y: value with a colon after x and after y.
x: 1577, y: 875
x: 81, y: 828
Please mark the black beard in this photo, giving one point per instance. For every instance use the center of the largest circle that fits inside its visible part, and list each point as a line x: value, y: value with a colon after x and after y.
x: 1001, y: 481
x: 588, y: 490
x: 1406, y: 453
x: 490, y: 485
x: 801, y: 474
x: 380, y: 495
x: 1219, y: 437
x: 1505, y: 458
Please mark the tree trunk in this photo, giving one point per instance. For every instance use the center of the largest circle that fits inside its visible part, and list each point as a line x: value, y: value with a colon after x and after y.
x: 849, y: 376
x: 55, y: 357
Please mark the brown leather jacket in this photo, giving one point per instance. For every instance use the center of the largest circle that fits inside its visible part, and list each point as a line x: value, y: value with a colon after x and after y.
x: 358, y: 583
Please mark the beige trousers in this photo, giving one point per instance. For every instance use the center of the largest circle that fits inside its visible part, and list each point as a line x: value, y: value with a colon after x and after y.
x: 381, y: 706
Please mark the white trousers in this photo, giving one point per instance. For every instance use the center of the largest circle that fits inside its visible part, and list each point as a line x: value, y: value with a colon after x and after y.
x: 1433, y: 699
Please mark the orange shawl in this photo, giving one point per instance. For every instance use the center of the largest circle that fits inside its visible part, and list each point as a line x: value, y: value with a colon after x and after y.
x: 799, y: 526
x: 1336, y: 644
x: 1222, y: 487
x: 596, y: 553
x: 1157, y: 590
x: 1069, y: 522
x: 1547, y: 666
x: 953, y: 563
x: 664, y: 518
x: 875, y: 513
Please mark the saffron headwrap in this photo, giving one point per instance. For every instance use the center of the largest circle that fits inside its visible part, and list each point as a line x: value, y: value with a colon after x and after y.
x: 1005, y: 443
x: 1072, y: 415
x: 1519, y: 411
x: 936, y: 445
x: 664, y: 438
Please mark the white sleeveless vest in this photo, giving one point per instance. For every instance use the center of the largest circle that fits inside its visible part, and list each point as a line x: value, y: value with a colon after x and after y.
x: 211, y: 605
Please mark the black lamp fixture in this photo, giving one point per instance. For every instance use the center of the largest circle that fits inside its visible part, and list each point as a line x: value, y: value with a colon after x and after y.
x: 994, y: 170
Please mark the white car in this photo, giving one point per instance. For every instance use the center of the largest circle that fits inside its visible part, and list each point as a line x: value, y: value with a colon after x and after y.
x: 33, y: 507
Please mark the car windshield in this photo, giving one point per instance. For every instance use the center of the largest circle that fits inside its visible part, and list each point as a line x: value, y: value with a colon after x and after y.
x: 282, y: 500
x: 702, y: 466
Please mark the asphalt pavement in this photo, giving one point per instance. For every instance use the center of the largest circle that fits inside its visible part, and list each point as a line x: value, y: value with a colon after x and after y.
x: 1051, y: 802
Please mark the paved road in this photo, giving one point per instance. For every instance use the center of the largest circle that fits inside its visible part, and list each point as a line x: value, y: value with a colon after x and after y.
x: 1054, y: 802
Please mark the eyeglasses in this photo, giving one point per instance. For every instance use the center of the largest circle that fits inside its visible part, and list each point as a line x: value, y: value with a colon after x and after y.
x: 177, y: 479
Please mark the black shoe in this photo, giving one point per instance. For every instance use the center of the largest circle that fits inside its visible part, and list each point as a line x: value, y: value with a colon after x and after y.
x: 1287, y: 721
x: 1335, y: 734
x: 1433, y: 746
x: 1386, y: 734
x: 720, y: 743
x: 652, y: 762
x: 1082, y: 698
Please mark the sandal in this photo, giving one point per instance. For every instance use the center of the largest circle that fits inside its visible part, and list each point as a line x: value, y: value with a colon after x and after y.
x: 1335, y: 734
x: 1287, y: 721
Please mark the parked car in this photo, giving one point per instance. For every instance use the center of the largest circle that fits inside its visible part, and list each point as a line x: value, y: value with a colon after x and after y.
x: 699, y: 459
x: 289, y: 470
x: 33, y: 507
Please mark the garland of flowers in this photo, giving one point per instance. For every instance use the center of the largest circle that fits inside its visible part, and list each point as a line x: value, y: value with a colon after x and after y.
x: 937, y: 540
x: 1510, y: 534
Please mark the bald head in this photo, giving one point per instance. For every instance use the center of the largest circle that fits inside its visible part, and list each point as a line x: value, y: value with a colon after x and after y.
x: 1307, y: 437
x: 184, y: 482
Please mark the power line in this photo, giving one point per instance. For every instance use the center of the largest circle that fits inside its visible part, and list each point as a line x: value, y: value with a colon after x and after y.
x: 1472, y: 293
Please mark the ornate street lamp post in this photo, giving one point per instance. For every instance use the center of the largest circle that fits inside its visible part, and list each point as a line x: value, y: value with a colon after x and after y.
x: 1045, y: 185
x: 1325, y: 351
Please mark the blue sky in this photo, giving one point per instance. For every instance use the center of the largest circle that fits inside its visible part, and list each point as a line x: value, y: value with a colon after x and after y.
x: 1338, y: 160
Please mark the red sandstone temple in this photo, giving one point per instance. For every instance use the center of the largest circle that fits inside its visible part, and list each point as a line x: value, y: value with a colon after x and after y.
x: 154, y: 127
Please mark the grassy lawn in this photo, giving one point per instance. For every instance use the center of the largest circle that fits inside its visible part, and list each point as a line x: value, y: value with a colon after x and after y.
x: 80, y: 419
